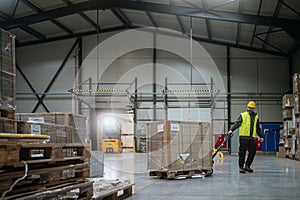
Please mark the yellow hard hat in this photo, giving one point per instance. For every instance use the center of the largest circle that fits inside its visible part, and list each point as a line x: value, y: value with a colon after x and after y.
x: 251, y: 104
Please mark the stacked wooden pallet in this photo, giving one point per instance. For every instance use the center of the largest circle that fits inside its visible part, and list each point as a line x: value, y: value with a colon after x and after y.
x: 42, y: 166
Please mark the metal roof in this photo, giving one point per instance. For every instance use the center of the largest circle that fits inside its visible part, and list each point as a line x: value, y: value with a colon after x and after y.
x: 269, y: 26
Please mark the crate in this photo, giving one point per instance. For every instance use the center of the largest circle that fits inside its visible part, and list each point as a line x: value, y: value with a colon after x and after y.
x: 179, y: 146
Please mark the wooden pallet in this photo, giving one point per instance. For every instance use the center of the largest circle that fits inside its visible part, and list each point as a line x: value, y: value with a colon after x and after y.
x: 174, y: 174
x: 42, y: 177
x: 118, y: 193
x: 63, y: 191
x: 13, y: 153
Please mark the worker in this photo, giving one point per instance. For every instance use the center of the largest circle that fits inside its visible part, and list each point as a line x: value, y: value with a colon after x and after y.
x: 248, y: 125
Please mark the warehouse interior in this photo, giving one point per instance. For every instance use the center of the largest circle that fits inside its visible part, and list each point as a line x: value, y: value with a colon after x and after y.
x: 120, y: 96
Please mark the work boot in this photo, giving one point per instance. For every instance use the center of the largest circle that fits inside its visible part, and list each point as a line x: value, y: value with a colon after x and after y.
x: 248, y: 169
x: 242, y: 170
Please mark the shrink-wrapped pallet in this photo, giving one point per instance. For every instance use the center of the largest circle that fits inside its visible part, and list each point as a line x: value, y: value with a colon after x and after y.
x: 7, y: 71
x: 179, y: 145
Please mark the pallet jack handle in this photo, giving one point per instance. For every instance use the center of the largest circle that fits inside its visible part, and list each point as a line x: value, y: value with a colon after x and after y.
x: 227, y: 137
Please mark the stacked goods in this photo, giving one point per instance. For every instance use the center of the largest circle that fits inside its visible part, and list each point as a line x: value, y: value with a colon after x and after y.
x: 178, y: 146
x: 8, y: 74
x: 291, y: 113
x: 58, y: 133
x: 7, y: 125
x: 295, y: 134
x: 46, y: 166
x: 74, y: 125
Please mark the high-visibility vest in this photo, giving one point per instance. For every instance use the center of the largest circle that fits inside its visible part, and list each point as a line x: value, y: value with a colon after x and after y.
x: 244, y: 129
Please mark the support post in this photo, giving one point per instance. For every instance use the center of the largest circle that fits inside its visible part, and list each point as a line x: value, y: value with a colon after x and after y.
x: 228, y: 59
x: 154, y: 59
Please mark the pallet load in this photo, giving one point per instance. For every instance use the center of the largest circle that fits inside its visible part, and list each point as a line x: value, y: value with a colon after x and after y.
x: 39, y: 170
x: 177, y: 148
x: 289, y: 141
x: 288, y: 127
x: 63, y: 127
x: 8, y: 75
x: 296, y: 114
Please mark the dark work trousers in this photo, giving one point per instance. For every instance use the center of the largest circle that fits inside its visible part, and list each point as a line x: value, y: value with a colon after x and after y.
x: 244, y: 144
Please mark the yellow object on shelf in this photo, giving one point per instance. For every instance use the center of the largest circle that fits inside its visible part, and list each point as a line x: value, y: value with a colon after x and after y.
x: 111, y: 146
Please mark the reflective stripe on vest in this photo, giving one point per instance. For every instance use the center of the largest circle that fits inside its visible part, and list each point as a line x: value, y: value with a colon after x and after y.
x: 245, y: 126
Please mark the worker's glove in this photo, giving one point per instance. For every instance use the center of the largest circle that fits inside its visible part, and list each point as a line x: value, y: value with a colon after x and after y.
x: 261, y: 139
x: 229, y: 133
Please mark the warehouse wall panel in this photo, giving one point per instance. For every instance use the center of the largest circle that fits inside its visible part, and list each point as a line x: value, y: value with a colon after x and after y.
x: 251, y: 72
x: 39, y: 63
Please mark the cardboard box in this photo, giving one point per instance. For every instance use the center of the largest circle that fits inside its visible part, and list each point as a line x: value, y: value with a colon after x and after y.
x: 6, y: 125
x: 58, y: 133
x: 281, y: 153
x: 296, y: 82
x: 178, y: 145
x: 77, y: 122
x: 297, y: 103
x: 127, y: 141
x: 287, y: 114
x: 287, y: 101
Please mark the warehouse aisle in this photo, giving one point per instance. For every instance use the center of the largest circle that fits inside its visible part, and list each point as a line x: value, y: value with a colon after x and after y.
x: 273, y: 178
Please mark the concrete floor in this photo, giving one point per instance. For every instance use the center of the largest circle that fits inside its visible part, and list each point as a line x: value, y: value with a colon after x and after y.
x: 273, y: 178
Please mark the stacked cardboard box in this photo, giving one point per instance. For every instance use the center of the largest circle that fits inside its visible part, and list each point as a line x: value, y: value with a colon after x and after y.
x: 61, y: 126
x: 291, y: 113
x: 7, y: 72
x: 178, y: 145
x: 7, y: 125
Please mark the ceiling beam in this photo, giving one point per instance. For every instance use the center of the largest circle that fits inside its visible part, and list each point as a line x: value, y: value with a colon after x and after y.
x: 75, y: 35
x: 119, y: 28
x: 84, y: 16
x: 33, y: 32
x: 121, y: 16
x: 275, y: 15
x: 291, y: 26
x: 15, y: 9
x: 40, y: 12
x: 238, y: 28
x: 255, y: 27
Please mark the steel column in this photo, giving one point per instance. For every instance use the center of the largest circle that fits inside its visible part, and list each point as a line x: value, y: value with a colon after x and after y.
x: 228, y: 59
x: 154, y: 60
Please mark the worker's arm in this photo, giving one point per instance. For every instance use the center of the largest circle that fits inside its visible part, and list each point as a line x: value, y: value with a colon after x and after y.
x: 236, y: 124
x: 258, y: 130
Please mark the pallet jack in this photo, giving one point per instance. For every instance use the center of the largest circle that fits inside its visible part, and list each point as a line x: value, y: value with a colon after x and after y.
x: 201, y: 173
x: 227, y: 137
